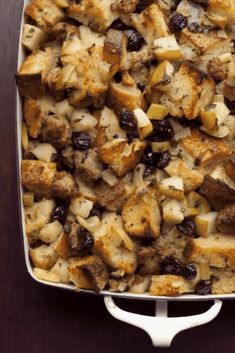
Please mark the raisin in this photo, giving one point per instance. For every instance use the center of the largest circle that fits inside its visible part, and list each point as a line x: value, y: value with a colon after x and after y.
x: 177, y: 22
x: 163, y: 160
x: 96, y: 212
x: 132, y: 135
x: 59, y: 213
x: 135, y: 40
x: 149, y: 157
x: 85, y: 242
x: 127, y: 121
x: 172, y: 266
x: 150, y: 169
x: 162, y: 131
x: 203, y: 287
x: 81, y: 140
x: 187, y: 227
x: 119, y: 25
x: 143, y: 4
x: 195, y: 27
x: 190, y: 272
x: 62, y: 163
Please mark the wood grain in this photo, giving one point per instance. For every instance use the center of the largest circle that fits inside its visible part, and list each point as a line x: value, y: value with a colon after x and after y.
x: 37, y: 319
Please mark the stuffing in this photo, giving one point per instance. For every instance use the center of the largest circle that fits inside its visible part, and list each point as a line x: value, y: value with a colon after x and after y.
x: 169, y: 285
x: 148, y: 260
x: 205, y: 149
x: 43, y: 257
x: 192, y: 178
x: 61, y: 246
x: 114, y: 49
x: 38, y: 176
x: 63, y: 30
x: 125, y: 97
x: 112, y: 243
x: 45, y: 13
x: 218, y: 250
x: 33, y: 72
x: 33, y: 116
x: 95, y: 13
x: 226, y: 220
x: 36, y: 217
x: 56, y: 131
x: 88, y: 272
x: 64, y: 186
x: 110, y: 197
x: 121, y: 156
x: 124, y: 6
x: 190, y: 91
x: 219, y: 189
x: 151, y: 23
x: 33, y: 37
x: 141, y: 215
x: 88, y: 165
x: 225, y: 8
x: 121, y: 284
x: 223, y: 281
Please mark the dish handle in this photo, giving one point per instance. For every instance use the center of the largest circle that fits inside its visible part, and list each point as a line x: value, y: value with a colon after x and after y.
x: 161, y: 328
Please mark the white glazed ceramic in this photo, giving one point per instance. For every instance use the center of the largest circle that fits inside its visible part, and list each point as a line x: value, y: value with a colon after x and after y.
x: 160, y: 327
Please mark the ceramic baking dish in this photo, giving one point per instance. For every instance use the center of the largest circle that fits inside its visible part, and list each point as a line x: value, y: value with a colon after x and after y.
x: 160, y: 327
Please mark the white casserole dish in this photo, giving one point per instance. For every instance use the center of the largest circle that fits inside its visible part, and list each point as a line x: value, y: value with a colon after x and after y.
x: 160, y: 327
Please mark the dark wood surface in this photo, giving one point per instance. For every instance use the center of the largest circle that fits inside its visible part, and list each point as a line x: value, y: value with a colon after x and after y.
x: 37, y: 319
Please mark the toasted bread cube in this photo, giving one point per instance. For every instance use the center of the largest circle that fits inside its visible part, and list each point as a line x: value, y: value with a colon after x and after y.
x: 141, y: 215
x: 205, y: 149
x: 109, y: 244
x: 56, y: 131
x: 125, y: 97
x: 95, y: 13
x: 192, y: 179
x: 50, y: 232
x: 36, y: 216
x: 38, y: 176
x: 169, y: 285
x: 140, y: 285
x: 224, y: 281
x: 121, y: 156
x: 43, y: 257
x: 189, y: 92
x: 203, y: 43
x: 206, y: 223
x: 218, y: 250
x: 34, y: 70
x: 172, y: 187
x: 81, y: 207
x: 226, y: 220
x: 61, y: 246
x: 61, y: 269
x: 33, y: 116
x: 89, y: 271
x: 64, y: 186
x: 151, y: 23
x: 111, y: 197
x: 114, y: 49
x: 173, y: 212
x: 45, y: 275
x: 88, y: 165
x: 224, y: 8
x: 45, y: 13
x: 33, y: 37
x: 62, y: 30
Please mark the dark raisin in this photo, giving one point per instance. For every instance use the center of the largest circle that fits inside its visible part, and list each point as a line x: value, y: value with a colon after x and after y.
x: 191, y: 123
x: 119, y: 25
x: 118, y: 77
x: 195, y: 27
x: 201, y: 2
x: 150, y: 169
x: 177, y: 22
x: 162, y: 131
x: 135, y: 40
x: 171, y: 266
x: 62, y: 163
x: 163, y: 160
x: 190, y: 272
x: 96, y: 212
x: 85, y: 242
x: 127, y: 121
x: 132, y: 135
x: 231, y: 106
x: 187, y: 227
x: 59, y: 213
x: 203, y: 287
x: 149, y: 157
x: 81, y: 140
x: 143, y: 4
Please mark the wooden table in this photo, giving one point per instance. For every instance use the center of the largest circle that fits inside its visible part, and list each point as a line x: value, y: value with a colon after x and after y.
x: 37, y: 319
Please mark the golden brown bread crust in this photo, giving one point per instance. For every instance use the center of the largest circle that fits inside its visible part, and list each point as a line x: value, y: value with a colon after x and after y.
x: 226, y: 220
x: 218, y: 250
x: 110, y: 197
x: 205, y: 149
x: 64, y: 186
x: 33, y: 116
x: 56, y: 131
x: 169, y: 285
x: 141, y: 214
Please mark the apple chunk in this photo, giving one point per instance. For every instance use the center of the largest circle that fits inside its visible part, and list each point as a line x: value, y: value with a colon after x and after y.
x: 206, y: 223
